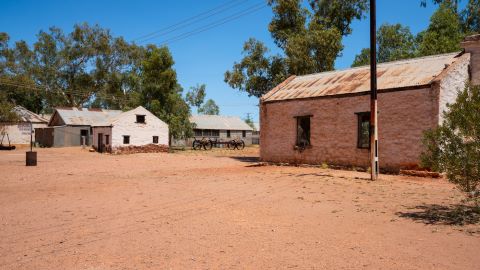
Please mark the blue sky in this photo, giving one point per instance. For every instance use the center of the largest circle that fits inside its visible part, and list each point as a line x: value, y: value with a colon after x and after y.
x: 201, y: 58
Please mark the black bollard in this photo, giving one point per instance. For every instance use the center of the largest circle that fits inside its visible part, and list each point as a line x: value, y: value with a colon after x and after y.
x: 31, y: 158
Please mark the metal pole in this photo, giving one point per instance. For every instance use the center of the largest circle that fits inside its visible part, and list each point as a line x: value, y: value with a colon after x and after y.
x: 373, y: 95
x: 31, y: 134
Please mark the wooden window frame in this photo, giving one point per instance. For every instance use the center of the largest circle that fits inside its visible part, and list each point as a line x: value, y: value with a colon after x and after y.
x: 309, y: 137
x: 126, y: 138
x: 360, y: 119
x: 155, y: 139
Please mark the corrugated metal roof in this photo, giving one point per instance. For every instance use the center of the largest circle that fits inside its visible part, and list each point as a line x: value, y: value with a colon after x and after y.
x: 84, y: 116
x: 219, y: 122
x: 398, y: 74
x: 28, y: 116
x: 140, y: 110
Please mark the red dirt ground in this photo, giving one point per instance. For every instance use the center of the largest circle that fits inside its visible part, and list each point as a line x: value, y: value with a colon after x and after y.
x: 81, y: 210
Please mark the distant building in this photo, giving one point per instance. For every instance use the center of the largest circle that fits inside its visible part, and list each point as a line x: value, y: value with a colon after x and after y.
x: 69, y: 126
x: 256, y: 133
x: 136, y: 127
x: 20, y: 132
x: 324, y: 117
x: 223, y: 128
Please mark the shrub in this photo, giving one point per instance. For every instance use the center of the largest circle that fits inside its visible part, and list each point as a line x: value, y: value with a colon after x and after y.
x: 454, y: 147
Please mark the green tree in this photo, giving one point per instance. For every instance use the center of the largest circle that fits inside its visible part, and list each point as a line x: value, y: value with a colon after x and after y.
x: 209, y: 108
x: 15, y: 68
x: 339, y: 14
x: 249, y: 121
x: 196, y: 95
x: 444, y: 33
x: 469, y: 16
x: 87, y: 67
x: 454, y: 147
x: 160, y: 92
x: 362, y: 59
x: 7, y: 115
x: 310, y: 39
x: 395, y: 42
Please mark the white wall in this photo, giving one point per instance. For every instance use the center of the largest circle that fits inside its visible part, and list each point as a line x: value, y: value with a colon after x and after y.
x: 140, y: 134
x: 20, y: 133
x: 452, y: 83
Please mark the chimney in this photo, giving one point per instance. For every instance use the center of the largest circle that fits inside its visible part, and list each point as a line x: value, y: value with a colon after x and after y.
x: 471, y: 44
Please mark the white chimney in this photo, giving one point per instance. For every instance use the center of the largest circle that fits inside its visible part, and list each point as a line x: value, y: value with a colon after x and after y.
x: 471, y: 44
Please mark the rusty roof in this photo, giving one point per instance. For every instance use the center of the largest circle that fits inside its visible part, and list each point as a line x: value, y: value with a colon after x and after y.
x: 399, y: 74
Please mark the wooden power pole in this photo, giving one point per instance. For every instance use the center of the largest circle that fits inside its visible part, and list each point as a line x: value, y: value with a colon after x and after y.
x: 373, y: 95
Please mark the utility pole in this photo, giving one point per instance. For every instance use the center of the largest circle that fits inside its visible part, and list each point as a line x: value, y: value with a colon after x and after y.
x: 373, y: 94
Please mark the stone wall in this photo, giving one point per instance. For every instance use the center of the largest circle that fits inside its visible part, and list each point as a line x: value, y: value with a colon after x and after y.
x: 140, y: 133
x: 402, y: 118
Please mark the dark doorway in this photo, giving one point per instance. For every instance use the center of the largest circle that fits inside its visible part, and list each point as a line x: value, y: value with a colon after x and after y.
x: 100, y: 143
x: 84, y: 133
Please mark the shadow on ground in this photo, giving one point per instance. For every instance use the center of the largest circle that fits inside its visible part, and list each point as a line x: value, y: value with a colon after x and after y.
x: 251, y: 159
x: 443, y: 215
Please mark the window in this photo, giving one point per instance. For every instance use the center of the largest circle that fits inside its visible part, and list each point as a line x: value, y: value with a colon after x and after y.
x: 107, y: 139
x: 244, y: 133
x: 228, y: 133
x: 126, y: 139
x: 215, y: 132
x: 303, y: 131
x: 363, y: 138
x: 140, y: 119
x: 198, y: 132
x: 207, y: 132
x: 155, y: 139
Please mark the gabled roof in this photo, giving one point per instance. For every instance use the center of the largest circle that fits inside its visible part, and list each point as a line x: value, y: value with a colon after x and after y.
x: 392, y: 75
x: 137, y: 111
x: 28, y: 116
x: 219, y: 122
x: 83, y: 116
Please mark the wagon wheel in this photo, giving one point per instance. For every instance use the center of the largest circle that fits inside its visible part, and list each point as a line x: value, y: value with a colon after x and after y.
x: 233, y: 144
x: 211, y: 144
x: 240, y: 145
x: 197, y: 145
x: 207, y: 145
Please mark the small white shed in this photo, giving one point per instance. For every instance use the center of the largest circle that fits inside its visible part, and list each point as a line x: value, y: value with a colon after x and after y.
x: 136, y: 127
x: 19, y: 133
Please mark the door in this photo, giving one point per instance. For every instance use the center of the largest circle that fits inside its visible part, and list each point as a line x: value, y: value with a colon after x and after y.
x: 84, y: 134
x: 100, y: 143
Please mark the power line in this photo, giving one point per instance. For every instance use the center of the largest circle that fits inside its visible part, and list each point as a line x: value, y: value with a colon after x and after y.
x: 207, y: 27
x: 79, y: 94
x: 189, y: 21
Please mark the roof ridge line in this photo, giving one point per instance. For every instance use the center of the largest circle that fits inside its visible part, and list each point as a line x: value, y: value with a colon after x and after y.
x: 396, y: 62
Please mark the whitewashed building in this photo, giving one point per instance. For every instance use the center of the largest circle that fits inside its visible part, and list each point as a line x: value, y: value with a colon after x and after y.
x: 136, y: 127
x: 20, y: 132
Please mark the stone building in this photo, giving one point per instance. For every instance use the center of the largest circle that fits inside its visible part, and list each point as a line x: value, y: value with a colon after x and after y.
x: 324, y: 117
x: 136, y: 127
x: 22, y: 131
x: 223, y: 128
x: 69, y: 126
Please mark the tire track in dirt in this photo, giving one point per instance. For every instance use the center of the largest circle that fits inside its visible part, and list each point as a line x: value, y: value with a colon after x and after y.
x: 237, y: 200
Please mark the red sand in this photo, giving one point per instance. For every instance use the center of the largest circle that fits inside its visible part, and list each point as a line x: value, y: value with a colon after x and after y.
x: 197, y: 210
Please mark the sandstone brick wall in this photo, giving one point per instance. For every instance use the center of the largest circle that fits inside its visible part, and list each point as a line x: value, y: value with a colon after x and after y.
x: 402, y: 118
